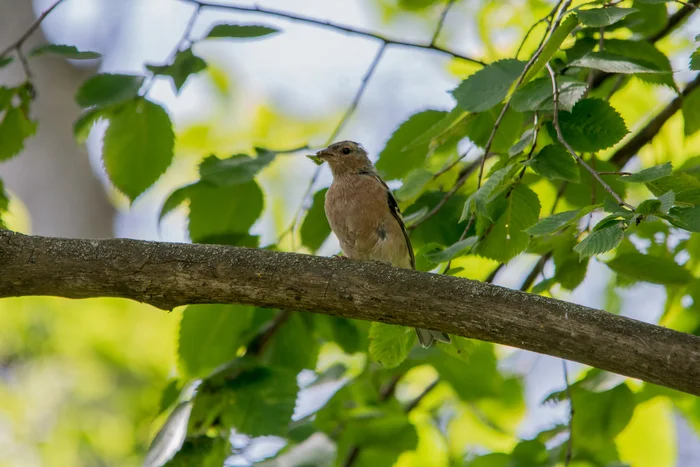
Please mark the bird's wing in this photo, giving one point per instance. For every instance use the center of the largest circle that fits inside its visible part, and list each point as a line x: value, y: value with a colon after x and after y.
x: 396, y: 212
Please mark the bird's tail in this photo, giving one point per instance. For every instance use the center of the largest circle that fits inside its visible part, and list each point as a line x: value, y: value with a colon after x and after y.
x: 426, y: 337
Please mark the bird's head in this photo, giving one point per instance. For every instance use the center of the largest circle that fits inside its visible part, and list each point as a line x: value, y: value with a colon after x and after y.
x: 345, y: 157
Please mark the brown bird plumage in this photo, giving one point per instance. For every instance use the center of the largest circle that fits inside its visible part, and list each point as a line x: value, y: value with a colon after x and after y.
x: 364, y: 215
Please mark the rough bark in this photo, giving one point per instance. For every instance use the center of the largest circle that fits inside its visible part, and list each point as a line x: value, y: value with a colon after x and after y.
x: 167, y: 275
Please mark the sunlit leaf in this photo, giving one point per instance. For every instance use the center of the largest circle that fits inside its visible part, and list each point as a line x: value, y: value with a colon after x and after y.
x: 601, y: 17
x: 389, y: 344
x: 15, y: 128
x: 539, y: 95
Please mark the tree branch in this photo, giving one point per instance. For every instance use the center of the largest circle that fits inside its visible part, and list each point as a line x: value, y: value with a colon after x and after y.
x: 17, y: 45
x: 167, y: 275
x: 335, y: 26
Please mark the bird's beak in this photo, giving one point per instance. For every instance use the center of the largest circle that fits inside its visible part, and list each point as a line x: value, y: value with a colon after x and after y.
x: 321, y: 156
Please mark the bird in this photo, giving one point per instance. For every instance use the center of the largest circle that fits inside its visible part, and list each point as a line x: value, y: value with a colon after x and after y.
x: 365, y: 216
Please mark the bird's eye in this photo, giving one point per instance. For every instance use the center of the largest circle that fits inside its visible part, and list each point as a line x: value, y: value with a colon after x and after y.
x: 346, y: 150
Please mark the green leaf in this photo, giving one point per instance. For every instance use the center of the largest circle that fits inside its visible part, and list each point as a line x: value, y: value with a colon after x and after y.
x: 686, y: 218
x: 555, y: 162
x: 65, y: 51
x: 691, y: 113
x: 456, y: 250
x: 106, y: 89
x: 601, y: 415
x: 488, y: 86
x: 614, y: 63
x: 460, y: 348
x: 552, y: 46
x: 138, y: 146
x: 4, y: 61
x: 239, y: 31
x: 650, y: 174
x: 450, y: 125
x: 654, y: 269
x: 592, y: 125
x: 649, y: 20
x: 569, y: 269
x: 15, y: 128
x: 6, y: 95
x: 381, y: 437
x: 315, y: 228
x: 175, y: 199
x: 4, y: 203
x: 202, y: 451
x: 186, y: 63
x: 649, y: 206
x: 83, y: 125
x: 396, y: 160
x: 295, y: 347
x: 600, y: 241
x: 602, y: 17
x: 234, y: 170
x: 525, y: 140
x: 389, y: 345
x: 507, y: 237
x: 216, y: 211
x: 488, y: 191
x: 646, y: 53
x: 538, y: 95
x: 685, y: 186
x: 260, y: 401
x: 414, y: 184
x: 479, y: 128
x: 695, y: 60
x: 554, y: 222
x: 210, y: 335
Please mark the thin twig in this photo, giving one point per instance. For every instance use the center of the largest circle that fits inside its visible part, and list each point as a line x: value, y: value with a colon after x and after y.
x: 535, y: 133
x: 562, y: 140
x: 358, y: 95
x: 472, y: 218
x: 449, y: 166
x: 689, y: 5
x: 614, y: 173
x: 548, y: 20
x: 184, y: 39
x: 441, y: 22
x: 535, y: 272
x: 335, y: 26
x: 492, y: 276
x: 34, y: 26
x: 563, y: 5
x: 570, y: 441
x: 414, y: 403
x: 348, y: 113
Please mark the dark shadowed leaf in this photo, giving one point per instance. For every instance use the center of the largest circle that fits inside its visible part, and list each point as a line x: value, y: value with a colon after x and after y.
x: 488, y: 86
x: 239, y: 31
x: 175, y: 199
x: 260, y: 401
x: 685, y: 218
x: 315, y: 228
x: 695, y: 60
x: 413, y: 184
x: 210, y: 335
x: 201, y: 451
x: 84, y: 123
x: 64, y: 51
x: 553, y: 223
x: 654, y: 269
x: 105, y: 89
x: 555, y: 162
x: 460, y: 248
x: 138, y: 146
x: 479, y: 128
x: 507, y: 238
x: 186, y: 63
x: 396, y: 159
x: 592, y: 125
x: 646, y: 53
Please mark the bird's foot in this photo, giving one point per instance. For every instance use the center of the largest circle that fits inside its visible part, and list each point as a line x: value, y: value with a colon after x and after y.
x: 340, y: 257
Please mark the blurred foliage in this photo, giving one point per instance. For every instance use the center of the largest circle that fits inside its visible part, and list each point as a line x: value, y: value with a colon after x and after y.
x: 91, y: 382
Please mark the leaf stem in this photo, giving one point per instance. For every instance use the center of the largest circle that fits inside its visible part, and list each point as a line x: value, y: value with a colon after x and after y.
x: 562, y: 140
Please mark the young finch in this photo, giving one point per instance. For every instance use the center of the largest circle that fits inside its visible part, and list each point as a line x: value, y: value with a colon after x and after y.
x: 365, y: 217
